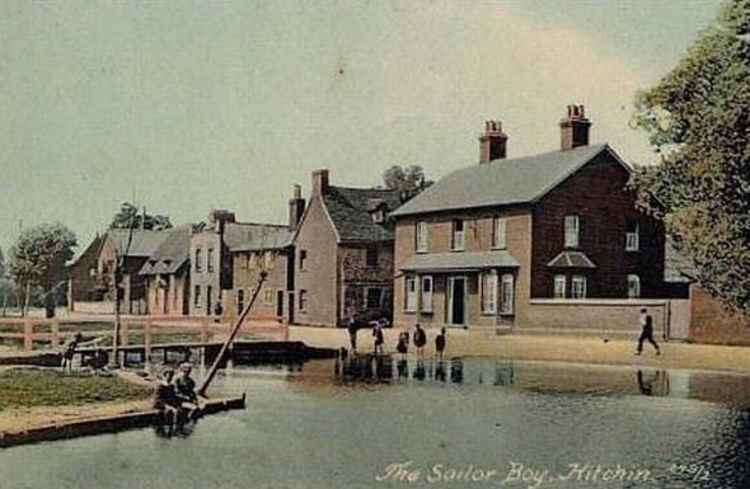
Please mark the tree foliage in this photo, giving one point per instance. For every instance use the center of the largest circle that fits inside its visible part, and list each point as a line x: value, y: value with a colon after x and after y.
x: 408, y: 180
x: 2, y: 264
x: 129, y: 217
x: 698, y: 119
x: 38, y: 258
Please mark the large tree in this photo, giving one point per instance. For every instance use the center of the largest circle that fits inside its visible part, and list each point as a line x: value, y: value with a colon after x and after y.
x: 38, y: 259
x: 129, y: 217
x: 698, y: 119
x: 408, y: 180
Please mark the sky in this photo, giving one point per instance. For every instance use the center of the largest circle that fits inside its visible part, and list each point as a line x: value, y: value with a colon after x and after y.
x: 192, y: 105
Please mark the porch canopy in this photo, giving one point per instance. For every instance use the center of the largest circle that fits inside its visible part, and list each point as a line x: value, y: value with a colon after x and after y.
x: 571, y: 259
x: 459, y: 261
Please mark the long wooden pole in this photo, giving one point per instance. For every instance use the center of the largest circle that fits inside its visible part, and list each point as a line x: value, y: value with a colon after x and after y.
x: 235, y: 329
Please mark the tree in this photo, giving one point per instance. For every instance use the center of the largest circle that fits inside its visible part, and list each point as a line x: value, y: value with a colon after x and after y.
x: 128, y: 217
x: 698, y: 119
x: 408, y: 180
x: 38, y: 259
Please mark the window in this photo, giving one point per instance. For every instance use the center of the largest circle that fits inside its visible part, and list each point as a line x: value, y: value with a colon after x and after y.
x: 240, y: 301
x: 373, y: 296
x: 489, y: 292
x: 371, y: 256
x: 378, y: 216
x: 198, y: 264
x: 302, y: 300
x: 560, y: 284
x: 268, y: 297
x: 634, y: 286
x: 197, y: 296
x: 422, y: 236
x: 210, y: 260
x: 411, y: 294
x: 426, y: 299
x: 578, y: 287
x: 572, y: 231
x: 458, y: 235
x: 631, y: 237
x: 302, y: 259
x: 499, y: 233
x: 507, y: 294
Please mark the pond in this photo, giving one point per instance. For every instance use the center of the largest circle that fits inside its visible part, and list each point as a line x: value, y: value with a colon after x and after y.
x: 463, y: 423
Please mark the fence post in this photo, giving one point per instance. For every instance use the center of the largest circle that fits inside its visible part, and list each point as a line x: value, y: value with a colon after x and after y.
x: 147, y: 341
x: 124, y: 335
x: 28, y: 331
x: 55, y: 333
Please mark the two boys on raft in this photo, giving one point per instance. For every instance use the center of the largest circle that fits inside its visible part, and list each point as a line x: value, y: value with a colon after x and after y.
x: 175, y: 394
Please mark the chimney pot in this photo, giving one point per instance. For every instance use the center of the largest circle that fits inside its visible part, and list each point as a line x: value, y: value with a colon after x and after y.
x: 493, y: 143
x: 574, y: 129
x: 296, y: 207
x: 320, y: 182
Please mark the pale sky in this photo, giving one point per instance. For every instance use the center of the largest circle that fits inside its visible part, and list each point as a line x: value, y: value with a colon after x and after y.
x: 192, y: 105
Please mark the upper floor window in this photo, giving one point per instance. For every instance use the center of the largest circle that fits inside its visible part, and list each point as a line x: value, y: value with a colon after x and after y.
x: 378, y: 216
x: 631, y: 237
x: 489, y: 292
x: 572, y: 231
x: 507, y: 294
x: 410, y: 304
x: 578, y: 287
x: 458, y: 241
x: 426, y: 298
x: 210, y: 260
x: 499, y: 233
x: 302, y: 259
x: 198, y: 262
x: 560, y: 284
x: 371, y: 256
x: 634, y: 286
x: 421, y: 236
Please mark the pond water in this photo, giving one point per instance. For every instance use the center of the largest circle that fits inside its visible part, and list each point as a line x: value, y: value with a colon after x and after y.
x: 465, y: 423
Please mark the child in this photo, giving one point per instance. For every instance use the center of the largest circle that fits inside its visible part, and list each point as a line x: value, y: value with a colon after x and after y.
x: 440, y: 344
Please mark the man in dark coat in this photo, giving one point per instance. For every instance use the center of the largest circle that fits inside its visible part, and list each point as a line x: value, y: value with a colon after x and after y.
x: 647, y: 332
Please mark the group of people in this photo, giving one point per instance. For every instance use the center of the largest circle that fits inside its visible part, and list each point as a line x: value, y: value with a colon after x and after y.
x: 419, y: 338
x: 175, y: 394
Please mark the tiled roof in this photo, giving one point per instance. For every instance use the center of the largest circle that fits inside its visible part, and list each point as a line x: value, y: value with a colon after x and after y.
x: 256, y: 236
x: 458, y: 261
x: 171, y: 254
x: 350, y: 208
x: 143, y: 242
x: 501, y: 182
x: 571, y: 259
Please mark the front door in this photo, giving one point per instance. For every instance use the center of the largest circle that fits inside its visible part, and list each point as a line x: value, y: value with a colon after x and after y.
x: 456, y: 300
x: 280, y: 303
x: 208, y: 300
x: 291, y: 308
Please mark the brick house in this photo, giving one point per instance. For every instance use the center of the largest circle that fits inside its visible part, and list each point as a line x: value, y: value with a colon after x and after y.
x: 167, y: 274
x: 343, y: 253
x: 92, y: 274
x: 505, y: 243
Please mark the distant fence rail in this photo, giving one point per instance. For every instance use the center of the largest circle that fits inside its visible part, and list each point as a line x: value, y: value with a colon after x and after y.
x: 33, y: 333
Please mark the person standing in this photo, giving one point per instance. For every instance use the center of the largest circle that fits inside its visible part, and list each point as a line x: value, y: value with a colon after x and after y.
x: 377, y: 333
x: 440, y: 344
x: 185, y: 391
x: 403, y: 344
x: 647, y: 332
x: 352, y: 327
x: 420, y: 340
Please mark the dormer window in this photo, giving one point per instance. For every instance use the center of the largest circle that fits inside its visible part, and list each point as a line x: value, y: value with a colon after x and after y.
x: 458, y: 242
x: 378, y: 216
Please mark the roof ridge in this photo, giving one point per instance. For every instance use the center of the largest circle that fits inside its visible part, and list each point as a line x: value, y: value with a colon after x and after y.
x: 367, y: 189
x: 251, y: 223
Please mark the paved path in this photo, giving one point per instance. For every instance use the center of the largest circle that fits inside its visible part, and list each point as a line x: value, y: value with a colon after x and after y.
x: 548, y: 348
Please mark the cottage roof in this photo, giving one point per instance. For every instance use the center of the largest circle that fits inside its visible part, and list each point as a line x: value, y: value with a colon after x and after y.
x: 350, y: 210
x: 171, y: 254
x: 456, y: 262
x: 256, y: 236
x: 503, y: 182
x: 142, y: 243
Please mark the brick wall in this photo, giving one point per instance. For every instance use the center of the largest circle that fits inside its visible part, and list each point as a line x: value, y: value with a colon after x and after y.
x: 357, y: 276
x: 317, y: 237
x: 204, y: 279
x: 596, y: 193
x: 712, y: 323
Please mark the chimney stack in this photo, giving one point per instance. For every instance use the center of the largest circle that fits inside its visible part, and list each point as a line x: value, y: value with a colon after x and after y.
x: 296, y: 207
x: 492, y: 144
x: 574, y: 129
x: 319, y: 182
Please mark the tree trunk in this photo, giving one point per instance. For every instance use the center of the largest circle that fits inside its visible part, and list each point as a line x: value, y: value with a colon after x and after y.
x: 26, y: 300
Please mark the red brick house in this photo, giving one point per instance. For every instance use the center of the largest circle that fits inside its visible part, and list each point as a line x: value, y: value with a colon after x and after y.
x: 513, y: 243
x: 343, y: 253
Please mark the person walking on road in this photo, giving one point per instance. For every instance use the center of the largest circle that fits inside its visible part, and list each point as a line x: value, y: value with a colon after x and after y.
x: 420, y: 340
x: 377, y: 334
x: 440, y: 344
x: 647, y: 332
x: 352, y: 327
